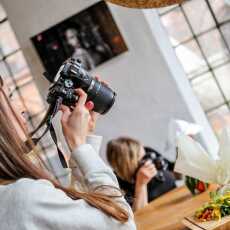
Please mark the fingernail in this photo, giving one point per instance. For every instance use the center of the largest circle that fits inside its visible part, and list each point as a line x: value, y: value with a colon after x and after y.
x: 89, y: 105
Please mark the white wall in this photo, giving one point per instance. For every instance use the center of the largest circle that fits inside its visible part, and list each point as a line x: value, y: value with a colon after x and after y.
x: 148, y: 92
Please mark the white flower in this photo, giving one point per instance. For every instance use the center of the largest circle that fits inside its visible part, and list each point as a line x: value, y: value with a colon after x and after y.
x: 194, y: 161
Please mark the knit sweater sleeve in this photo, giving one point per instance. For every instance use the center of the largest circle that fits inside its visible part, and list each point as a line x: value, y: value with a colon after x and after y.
x: 63, y: 175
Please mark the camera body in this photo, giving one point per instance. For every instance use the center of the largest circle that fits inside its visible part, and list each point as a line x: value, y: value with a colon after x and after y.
x: 71, y: 76
x: 159, y: 162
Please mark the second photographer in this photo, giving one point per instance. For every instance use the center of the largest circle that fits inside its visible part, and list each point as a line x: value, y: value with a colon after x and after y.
x: 142, y: 177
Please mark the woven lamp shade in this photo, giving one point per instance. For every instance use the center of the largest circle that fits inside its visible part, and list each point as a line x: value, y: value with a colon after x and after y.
x: 145, y: 3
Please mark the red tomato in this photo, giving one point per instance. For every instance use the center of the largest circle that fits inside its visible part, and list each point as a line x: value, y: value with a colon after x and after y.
x: 200, y: 186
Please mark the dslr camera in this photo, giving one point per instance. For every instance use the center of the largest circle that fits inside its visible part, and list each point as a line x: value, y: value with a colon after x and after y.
x: 159, y: 162
x: 71, y: 76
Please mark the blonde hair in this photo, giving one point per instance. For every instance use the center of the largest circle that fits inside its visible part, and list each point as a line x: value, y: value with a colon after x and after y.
x: 123, y: 155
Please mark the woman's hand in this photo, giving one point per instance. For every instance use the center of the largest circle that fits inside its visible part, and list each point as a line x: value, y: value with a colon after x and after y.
x: 92, y: 120
x: 93, y: 115
x: 75, y: 124
x: 145, y: 173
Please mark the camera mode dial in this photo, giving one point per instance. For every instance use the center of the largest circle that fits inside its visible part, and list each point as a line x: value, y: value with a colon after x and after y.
x: 68, y: 83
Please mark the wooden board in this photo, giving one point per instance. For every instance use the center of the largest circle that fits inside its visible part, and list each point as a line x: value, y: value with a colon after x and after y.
x: 191, y: 223
x: 168, y: 211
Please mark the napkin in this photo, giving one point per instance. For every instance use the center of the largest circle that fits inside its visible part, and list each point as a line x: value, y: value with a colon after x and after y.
x: 175, y: 129
x: 194, y: 161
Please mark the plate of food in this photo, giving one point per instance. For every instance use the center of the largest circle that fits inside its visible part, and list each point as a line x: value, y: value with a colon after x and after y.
x: 214, y: 214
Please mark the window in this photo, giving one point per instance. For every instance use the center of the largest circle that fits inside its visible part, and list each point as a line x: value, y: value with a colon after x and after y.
x: 17, y: 76
x: 199, y: 31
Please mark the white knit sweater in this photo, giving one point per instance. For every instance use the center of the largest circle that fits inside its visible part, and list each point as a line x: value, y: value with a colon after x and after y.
x: 36, y: 205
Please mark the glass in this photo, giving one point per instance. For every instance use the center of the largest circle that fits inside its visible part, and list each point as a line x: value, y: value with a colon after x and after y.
x: 2, y: 13
x: 18, y: 65
x: 223, y: 77
x: 191, y: 58
x: 46, y: 141
x: 32, y: 98
x: 25, y: 79
x: 207, y: 91
x: 37, y: 118
x: 177, y: 33
x: 4, y: 72
x: 31, y: 126
x: 164, y: 10
x: 199, y: 15
x: 226, y: 32
x: 8, y: 41
x: 41, y: 148
x: 221, y: 9
x: 214, y: 47
x: 16, y: 100
x: 219, y: 118
x: 14, y: 84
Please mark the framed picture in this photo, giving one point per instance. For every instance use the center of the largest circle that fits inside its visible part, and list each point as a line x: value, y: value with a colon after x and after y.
x: 91, y: 36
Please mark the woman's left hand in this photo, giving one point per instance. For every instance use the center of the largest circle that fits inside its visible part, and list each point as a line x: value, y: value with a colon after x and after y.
x: 93, y: 115
x: 92, y: 121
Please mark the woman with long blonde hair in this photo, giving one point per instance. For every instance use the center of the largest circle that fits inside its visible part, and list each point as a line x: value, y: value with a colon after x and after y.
x: 139, y: 180
x: 32, y: 199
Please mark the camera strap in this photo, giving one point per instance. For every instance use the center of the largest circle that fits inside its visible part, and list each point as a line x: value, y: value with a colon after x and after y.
x: 60, y: 153
x: 49, y: 127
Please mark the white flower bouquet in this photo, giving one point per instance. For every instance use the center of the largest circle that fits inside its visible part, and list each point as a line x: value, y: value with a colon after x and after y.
x: 193, y: 160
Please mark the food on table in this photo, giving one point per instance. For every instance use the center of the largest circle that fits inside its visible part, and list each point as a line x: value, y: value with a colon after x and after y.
x: 218, y: 207
x: 195, y: 186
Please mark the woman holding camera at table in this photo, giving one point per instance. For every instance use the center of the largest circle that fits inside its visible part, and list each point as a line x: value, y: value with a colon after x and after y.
x: 138, y: 179
x: 32, y: 199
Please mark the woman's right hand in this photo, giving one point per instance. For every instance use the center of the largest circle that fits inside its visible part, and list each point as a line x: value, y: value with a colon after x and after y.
x: 143, y: 177
x: 145, y: 173
x: 75, y: 123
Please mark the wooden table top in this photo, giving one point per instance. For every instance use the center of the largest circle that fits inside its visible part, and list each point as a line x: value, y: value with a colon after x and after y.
x: 168, y: 211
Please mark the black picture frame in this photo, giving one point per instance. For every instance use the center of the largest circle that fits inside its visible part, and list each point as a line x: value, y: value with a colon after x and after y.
x: 91, y: 35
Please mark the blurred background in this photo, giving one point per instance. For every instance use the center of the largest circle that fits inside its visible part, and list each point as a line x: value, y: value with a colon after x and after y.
x: 199, y: 32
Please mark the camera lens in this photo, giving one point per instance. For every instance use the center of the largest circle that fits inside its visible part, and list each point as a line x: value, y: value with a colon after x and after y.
x: 102, y: 96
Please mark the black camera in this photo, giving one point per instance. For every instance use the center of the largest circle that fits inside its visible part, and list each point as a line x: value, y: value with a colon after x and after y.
x: 159, y: 162
x: 71, y: 76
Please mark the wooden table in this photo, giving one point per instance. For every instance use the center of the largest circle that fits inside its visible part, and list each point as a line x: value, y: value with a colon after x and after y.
x: 168, y: 211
